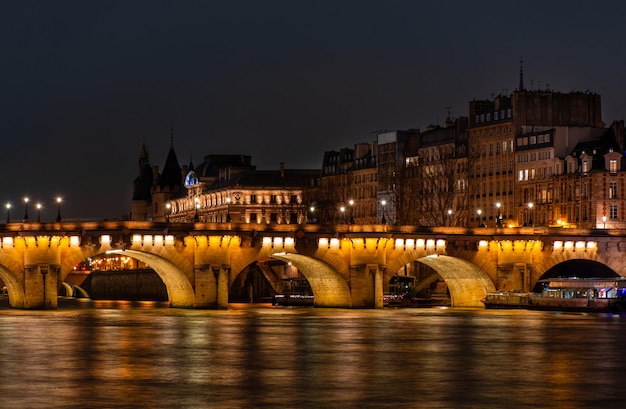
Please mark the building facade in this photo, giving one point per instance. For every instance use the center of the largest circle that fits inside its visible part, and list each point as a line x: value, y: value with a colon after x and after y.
x: 439, y: 174
x: 348, y: 186
x: 227, y: 188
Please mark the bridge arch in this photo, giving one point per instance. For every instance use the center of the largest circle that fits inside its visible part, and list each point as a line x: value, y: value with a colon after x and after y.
x: 329, y: 287
x: 579, y: 267
x: 15, y: 290
x: 179, y: 289
x: 467, y: 283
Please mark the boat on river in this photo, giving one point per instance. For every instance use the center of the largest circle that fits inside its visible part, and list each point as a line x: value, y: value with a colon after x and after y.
x: 293, y: 300
x: 566, y: 294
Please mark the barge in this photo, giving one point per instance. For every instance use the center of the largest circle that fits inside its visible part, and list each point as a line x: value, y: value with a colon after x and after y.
x: 566, y: 294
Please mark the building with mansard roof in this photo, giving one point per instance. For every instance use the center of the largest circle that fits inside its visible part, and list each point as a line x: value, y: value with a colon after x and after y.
x: 588, y: 189
x: 228, y: 188
x: 348, y: 186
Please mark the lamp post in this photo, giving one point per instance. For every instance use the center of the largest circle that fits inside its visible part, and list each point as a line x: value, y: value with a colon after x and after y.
x: 38, y: 206
x: 499, y: 217
x: 479, y: 216
x: 604, y: 220
x: 311, y: 214
x: 228, y: 210
x: 59, y: 200
x: 383, y: 203
x: 449, y: 217
x: 25, y: 209
x: 342, y: 209
x: 530, y: 214
x: 8, y: 205
x: 168, y: 211
x: 351, y: 202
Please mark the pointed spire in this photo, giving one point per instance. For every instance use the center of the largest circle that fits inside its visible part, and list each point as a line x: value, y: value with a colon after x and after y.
x: 172, y: 134
x: 521, y: 75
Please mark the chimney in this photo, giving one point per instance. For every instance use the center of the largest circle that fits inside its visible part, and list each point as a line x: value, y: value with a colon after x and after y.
x: 282, y: 169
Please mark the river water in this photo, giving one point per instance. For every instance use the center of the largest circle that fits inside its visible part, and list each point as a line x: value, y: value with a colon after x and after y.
x: 145, y: 355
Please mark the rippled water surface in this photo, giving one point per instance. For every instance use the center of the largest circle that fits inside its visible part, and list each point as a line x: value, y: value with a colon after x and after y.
x: 148, y: 356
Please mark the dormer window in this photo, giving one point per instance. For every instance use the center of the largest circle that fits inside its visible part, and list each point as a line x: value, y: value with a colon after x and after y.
x: 585, y: 166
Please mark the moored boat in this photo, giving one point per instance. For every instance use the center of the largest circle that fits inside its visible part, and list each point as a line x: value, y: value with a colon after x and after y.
x: 566, y: 294
x: 293, y: 300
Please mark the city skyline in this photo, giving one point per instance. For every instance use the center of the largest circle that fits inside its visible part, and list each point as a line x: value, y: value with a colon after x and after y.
x: 84, y: 85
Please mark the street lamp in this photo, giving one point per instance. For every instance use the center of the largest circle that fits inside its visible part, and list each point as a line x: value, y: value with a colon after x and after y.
x: 604, y: 220
x: 383, y: 203
x: 449, y: 217
x: 38, y: 205
x: 59, y: 209
x: 479, y: 216
x: 530, y: 214
x: 499, y: 219
x: 168, y: 211
x: 351, y: 202
x: 25, y: 209
x: 8, y: 205
x: 311, y: 212
x: 342, y: 210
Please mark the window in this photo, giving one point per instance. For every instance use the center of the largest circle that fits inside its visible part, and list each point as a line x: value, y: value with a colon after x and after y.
x: 613, y: 166
x: 585, y: 166
x: 613, y: 212
x: 613, y: 190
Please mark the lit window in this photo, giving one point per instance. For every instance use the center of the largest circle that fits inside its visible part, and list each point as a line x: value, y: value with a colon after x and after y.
x: 613, y: 190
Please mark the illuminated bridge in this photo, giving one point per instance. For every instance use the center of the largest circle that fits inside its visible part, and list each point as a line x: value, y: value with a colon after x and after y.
x: 347, y: 266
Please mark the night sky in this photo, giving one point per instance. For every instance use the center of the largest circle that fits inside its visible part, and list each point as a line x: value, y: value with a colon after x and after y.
x: 85, y: 83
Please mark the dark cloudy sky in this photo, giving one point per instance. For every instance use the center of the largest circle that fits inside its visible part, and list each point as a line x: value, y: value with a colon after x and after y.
x: 84, y: 83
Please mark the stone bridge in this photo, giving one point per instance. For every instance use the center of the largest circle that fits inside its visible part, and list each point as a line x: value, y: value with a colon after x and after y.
x: 347, y: 266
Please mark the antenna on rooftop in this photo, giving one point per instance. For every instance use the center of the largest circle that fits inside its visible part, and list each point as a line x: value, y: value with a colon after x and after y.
x: 521, y: 75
